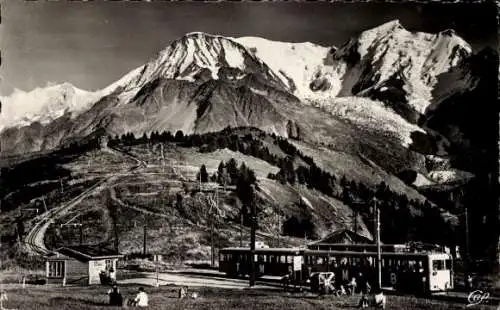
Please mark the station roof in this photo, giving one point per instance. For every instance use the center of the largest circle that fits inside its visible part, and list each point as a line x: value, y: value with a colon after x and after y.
x: 345, y: 236
x: 85, y: 253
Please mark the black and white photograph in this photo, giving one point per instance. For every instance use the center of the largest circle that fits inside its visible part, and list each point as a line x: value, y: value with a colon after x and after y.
x: 249, y: 155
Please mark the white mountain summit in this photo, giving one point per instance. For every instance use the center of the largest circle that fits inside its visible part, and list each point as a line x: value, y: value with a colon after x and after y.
x: 44, y: 104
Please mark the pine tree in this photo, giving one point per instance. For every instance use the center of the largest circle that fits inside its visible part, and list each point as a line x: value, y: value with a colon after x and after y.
x: 220, y: 172
x: 179, y: 136
x: 202, y: 174
x: 232, y: 170
x: 213, y: 178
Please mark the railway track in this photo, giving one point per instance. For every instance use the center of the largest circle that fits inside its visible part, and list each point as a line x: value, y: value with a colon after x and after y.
x: 35, y: 237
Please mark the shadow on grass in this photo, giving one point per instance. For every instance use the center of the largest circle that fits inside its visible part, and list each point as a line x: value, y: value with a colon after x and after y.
x: 60, y: 301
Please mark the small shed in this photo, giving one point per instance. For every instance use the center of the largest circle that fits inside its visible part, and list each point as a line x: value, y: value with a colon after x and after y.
x: 80, y: 265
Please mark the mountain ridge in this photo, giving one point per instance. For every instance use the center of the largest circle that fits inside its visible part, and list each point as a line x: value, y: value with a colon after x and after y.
x: 315, y: 73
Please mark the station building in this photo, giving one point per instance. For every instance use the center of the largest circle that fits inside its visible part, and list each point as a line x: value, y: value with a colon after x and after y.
x: 81, y: 265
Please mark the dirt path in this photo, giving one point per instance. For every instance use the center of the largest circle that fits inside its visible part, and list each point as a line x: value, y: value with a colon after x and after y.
x: 213, y: 279
x: 145, y: 211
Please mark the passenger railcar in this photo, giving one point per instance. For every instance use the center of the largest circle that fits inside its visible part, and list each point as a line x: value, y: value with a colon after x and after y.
x: 412, y: 272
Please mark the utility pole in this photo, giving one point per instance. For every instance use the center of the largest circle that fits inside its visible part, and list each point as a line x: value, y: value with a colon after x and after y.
x: 467, y: 249
x: 252, y: 240
x: 79, y: 225
x: 162, y: 158
x: 374, y: 220
x: 279, y: 229
x: 81, y: 231
x: 379, y: 254
x: 212, y: 220
x: 355, y: 221
x: 241, y: 228
x: 44, y: 204
x: 144, y: 244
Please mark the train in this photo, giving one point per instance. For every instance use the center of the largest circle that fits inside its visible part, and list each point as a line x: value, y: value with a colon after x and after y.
x: 424, y: 272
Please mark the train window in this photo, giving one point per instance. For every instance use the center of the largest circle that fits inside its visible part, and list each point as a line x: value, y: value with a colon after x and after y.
x: 319, y: 261
x: 447, y: 264
x: 437, y: 265
x: 283, y: 259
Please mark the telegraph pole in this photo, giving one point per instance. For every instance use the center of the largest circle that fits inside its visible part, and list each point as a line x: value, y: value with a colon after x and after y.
x: 81, y: 231
x: 44, y: 204
x: 144, y: 244
x: 355, y: 221
x: 252, y: 240
x: 467, y: 249
x: 379, y: 254
x: 279, y: 229
x: 241, y: 228
x: 212, y: 220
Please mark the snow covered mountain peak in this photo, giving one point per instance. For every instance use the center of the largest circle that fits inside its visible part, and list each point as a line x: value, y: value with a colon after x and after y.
x: 419, y: 58
x: 43, y: 104
x: 200, y: 53
x: 390, y: 26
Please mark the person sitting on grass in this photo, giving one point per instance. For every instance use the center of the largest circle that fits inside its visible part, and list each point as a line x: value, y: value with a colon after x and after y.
x: 351, y: 286
x: 115, y: 297
x: 141, y: 300
x: 112, y: 275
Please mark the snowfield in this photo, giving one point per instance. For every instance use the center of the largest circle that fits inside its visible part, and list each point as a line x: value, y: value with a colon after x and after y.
x: 298, y: 65
x: 447, y: 176
x: 371, y: 114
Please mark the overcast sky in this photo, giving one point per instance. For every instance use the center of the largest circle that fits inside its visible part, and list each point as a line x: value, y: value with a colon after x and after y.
x: 92, y: 44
